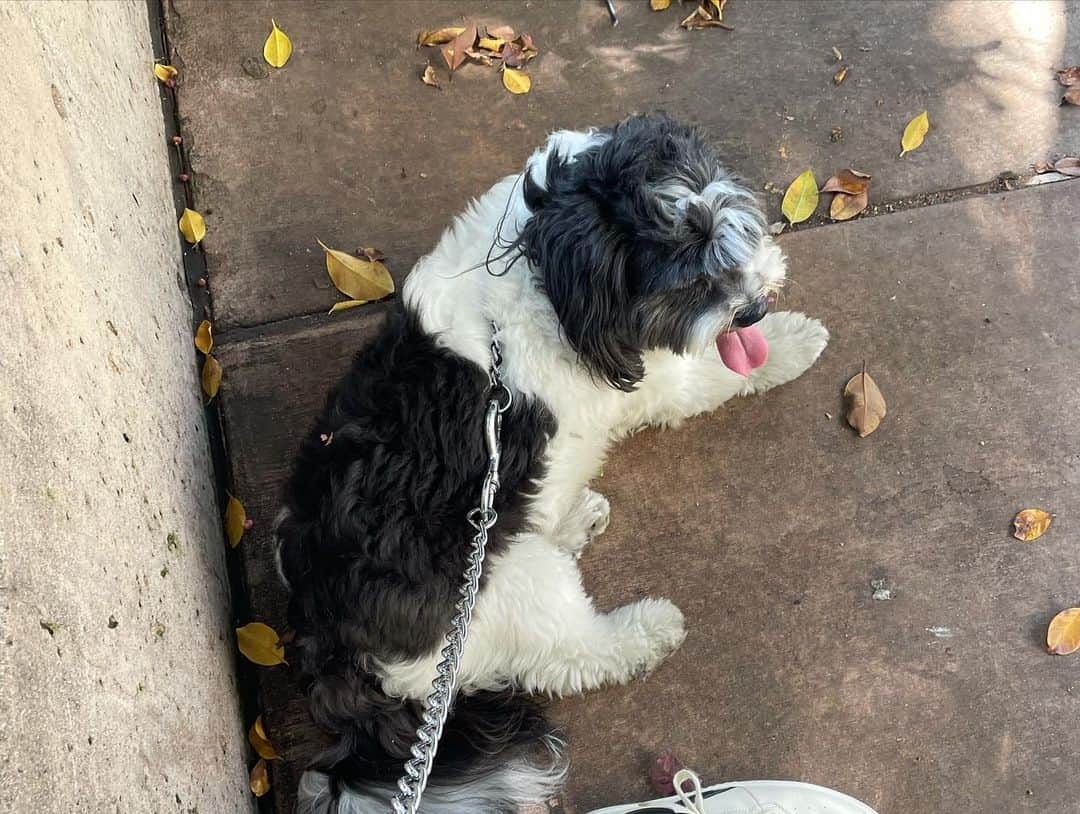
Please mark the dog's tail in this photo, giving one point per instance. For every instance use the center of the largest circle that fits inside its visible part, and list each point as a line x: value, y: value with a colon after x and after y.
x: 487, y: 761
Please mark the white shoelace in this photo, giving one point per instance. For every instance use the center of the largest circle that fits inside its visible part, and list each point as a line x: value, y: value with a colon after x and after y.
x: 697, y: 805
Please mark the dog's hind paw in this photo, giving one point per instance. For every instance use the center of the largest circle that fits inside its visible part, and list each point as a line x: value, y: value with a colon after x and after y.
x: 653, y: 629
x: 795, y: 342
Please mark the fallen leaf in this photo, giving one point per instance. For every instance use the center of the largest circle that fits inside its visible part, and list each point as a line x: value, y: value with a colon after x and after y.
x: 1069, y: 76
x: 1063, y: 635
x: 345, y: 305
x: 211, y: 376
x: 845, y: 206
x: 260, y: 743
x: 260, y: 779
x: 260, y: 644
x: 719, y: 6
x: 278, y: 47
x: 1031, y: 524
x: 371, y: 253
x: 837, y: 54
x: 454, y: 51
x: 801, y: 198
x: 235, y: 521
x: 192, y: 226
x: 662, y: 775
x: 849, y: 181
x: 1072, y: 96
x: 483, y: 57
x: 502, y: 32
x: 165, y: 72
x: 204, y: 337
x: 516, y: 81
x: 701, y: 18
x: 866, y: 405
x: 429, y: 77
x: 356, y: 278
x: 1068, y: 165
x: 914, y: 133
x: 494, y: 44
x: 439, y: 37
x: 840, y: 75
x: 659, y: 5
x: 517, y: 53
x: 49, y: 625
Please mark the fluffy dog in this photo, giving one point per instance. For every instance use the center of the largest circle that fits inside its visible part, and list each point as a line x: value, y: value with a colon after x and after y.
x: 627, y: 274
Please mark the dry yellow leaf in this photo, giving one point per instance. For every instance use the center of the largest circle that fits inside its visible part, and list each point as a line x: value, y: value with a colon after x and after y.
x: 235, y: 520
x: 260, y: 779
x: 439, y: 37
x: 840, y: 75
x: 516, y: 81
x: 719, y: 6
x: 491, y: 43
x: 165, y: 72
x: 260, y: 743
x: 260, y: 644
x: 866, y: 405
x: 801, y: 198
x: 914, y: 133
x: 204, y: 337
x: 1031, y: 524
x: 659, y: 5
x: 345, y: 305
x: 192, y: 226
x: 278, y: 47
x: 211, y: 376
x: 1063, y: 635
x: 356, y: 278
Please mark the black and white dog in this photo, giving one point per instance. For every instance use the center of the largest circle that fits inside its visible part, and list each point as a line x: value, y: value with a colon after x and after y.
x: 628, y: 274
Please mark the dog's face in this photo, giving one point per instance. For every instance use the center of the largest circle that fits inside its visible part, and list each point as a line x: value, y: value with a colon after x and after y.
x: 642, y: 239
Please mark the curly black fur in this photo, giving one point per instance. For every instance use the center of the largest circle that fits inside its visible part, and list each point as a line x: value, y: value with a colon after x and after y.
x: 374, y: 538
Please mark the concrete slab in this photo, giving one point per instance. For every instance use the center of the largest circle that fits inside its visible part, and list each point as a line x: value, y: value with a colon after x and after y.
x: 117, y: 688
x: 346, y: 144
x: 775, y: 518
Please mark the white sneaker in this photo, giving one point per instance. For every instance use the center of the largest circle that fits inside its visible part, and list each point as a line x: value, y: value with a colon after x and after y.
x: 749, y: 797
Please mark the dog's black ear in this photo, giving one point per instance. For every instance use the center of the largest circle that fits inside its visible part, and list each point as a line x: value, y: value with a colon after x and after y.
x: 584, y: 268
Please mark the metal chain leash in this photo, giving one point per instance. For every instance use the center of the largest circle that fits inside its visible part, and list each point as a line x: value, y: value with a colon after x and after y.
x: 437, y: 705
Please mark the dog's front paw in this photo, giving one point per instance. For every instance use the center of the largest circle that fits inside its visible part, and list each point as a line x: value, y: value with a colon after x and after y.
x: 656, y: 628
x: 795, y: 342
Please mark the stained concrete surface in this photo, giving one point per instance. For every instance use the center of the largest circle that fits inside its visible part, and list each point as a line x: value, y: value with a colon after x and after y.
x: 773, y: 518
x: 117, y: 689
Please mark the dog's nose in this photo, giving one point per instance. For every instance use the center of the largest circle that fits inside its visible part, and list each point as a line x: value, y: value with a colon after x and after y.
x: 749, y: 314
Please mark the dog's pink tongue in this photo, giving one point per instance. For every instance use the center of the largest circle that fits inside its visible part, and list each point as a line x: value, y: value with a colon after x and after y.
x: 743, y: 349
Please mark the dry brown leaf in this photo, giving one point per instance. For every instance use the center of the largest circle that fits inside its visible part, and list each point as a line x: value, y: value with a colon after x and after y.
x: 454, y: 52
x: 1069, y: 76
x: 211, y: 376
x: 440, y: 36
x: 1031, y: 524
x: 845, y: 207
x: 260, y: 743
x: 840, y: 75
x: 1072, y: 96
x: 1069, y: 165
x: 701, y: 18
x: 356, y: 278
x: 261, y: 644
x: 371, y: 253
x: 502, y: 32
x: 516, y: 81
x: 850, y: 181
x: 235, y: 519
x: 259, y: 779
x: 866, y: 405
x: 483, y: 57
x: 1063, y: 635
x: 429, y: 77
x: 659, y: 5
x: 204, y: 337
x: 517, y: 53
